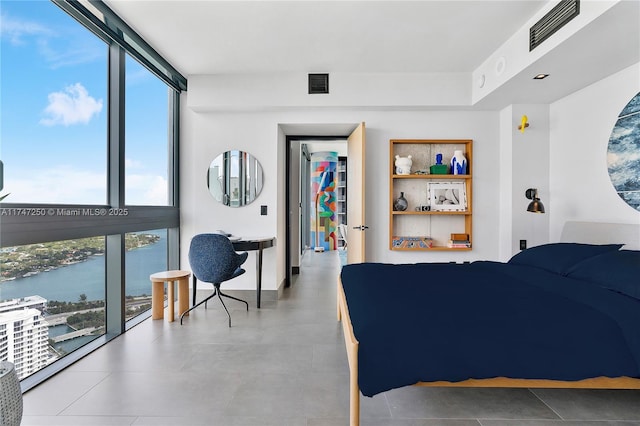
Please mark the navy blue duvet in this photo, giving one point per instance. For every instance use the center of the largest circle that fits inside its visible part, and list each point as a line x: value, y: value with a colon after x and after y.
x: 430, y: 322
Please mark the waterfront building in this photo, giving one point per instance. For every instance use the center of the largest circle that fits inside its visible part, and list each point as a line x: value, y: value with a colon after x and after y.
x: 35, y: 302
x: 24, y: 340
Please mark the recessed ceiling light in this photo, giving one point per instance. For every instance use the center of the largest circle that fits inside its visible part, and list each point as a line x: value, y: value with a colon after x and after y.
x: 540, y: 76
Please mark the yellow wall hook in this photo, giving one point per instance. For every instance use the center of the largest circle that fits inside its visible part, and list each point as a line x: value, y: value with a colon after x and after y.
x: 523, y: 123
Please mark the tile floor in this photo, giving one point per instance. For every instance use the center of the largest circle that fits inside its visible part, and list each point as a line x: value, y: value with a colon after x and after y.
x: 282, y: 365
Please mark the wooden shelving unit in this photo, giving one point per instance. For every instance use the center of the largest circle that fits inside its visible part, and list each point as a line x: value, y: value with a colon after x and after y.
x: 341, y: 194
x: 410, y: 229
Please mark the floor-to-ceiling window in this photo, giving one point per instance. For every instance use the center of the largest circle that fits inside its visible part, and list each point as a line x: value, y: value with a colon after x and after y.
x: 88, y: 143
x: 147, y: 136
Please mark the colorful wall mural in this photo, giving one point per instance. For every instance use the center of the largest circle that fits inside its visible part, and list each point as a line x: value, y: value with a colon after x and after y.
x: 323, y: 200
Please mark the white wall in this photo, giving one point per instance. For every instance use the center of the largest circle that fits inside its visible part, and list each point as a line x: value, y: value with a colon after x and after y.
x: 231, y: 92
x: 203, y: 138
x: 206, y: 134
x: 528, y: 168
x: 581, y: 125
x: 562, y: 153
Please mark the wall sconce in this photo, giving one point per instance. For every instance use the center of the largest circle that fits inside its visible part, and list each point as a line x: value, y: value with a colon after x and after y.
x: 536, y: 205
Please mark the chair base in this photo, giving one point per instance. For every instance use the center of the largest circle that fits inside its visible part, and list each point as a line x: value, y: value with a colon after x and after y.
x: 216, y: 292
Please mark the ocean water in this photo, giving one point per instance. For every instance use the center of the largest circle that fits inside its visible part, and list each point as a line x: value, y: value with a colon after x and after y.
x: 67, y: 283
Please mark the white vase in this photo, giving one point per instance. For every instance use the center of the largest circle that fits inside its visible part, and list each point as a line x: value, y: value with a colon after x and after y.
x: 458, y: 163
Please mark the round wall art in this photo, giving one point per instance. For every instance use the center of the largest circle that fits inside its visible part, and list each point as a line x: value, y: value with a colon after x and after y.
x: 623, y: 155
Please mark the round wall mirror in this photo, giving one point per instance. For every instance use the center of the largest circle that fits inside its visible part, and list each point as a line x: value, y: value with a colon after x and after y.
x: 235, y: 178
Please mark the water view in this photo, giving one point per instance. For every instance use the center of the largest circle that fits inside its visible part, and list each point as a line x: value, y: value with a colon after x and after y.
x: 67, y: 282
x: 70, y: 276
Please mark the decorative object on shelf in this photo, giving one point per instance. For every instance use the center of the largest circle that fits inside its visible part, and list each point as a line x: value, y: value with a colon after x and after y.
x: 438, y: 168
x: 400, y: 204
x: 418, y: 243
x: 458, y: 163
x: 447, y: 196
x: 403, y: 165
x: 623, y: 152
x: 10, y: 395
x: 524, y: 123
x: 450, y: 209
x: 536, y: 205
x: 459, y: 241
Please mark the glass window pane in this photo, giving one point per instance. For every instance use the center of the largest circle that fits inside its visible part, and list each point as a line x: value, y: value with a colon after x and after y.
x: 52, y: 299
x: 53, y: 125
x: 146, y: 137
x: 146, y: 254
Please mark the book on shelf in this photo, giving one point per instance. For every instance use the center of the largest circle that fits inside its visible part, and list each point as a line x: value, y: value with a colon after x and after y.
x: 401, y: 242
x: 459, y: 244
x: 459, y: 241
x: 452, y: 245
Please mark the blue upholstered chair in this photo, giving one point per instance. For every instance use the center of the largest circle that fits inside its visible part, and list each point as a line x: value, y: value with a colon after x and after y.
x: 213, y: 260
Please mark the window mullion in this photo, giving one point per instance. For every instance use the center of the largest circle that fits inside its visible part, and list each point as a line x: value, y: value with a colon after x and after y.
x: 115, y: 247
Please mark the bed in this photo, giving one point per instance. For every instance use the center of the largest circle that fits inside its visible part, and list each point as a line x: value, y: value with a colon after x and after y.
x: 562, y: 315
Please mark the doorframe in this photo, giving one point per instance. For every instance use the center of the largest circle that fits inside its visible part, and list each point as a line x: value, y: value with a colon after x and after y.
x: 288, y: 144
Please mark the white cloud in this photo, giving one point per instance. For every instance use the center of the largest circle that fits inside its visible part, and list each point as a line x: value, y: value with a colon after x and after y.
x: 58, y: 185
x: 146, y: 190
x: 66, y: 185
x: 16, y: 30
x: 132, y: 164
x: 72, y: 106
x: 60, y: 47
x: 72, y: 51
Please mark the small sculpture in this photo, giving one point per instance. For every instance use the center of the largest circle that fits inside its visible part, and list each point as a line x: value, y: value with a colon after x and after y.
x: 400, y: 204
x: 403, y: 165
x: 438, y: 168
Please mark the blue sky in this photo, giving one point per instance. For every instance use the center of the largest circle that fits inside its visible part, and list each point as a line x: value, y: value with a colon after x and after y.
x: 53, y: 112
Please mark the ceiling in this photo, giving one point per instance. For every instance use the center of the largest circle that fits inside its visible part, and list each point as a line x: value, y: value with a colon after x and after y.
x: 211, y: 37
x: 375, y: 36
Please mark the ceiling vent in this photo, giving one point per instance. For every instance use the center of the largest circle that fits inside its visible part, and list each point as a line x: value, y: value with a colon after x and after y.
x: 557, y: 18
x: 318, y: 83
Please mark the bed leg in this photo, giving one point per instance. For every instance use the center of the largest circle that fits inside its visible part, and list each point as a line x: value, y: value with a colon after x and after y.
x: 354, y: 387
x: 354, y: 401
x: 338, y: 312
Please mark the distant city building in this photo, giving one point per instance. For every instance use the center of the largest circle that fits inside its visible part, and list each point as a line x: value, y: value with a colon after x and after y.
x: 36, y: 302
x: 24, y: 335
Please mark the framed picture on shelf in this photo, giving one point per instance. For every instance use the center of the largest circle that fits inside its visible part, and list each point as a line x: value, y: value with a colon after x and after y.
x: 447, y: 196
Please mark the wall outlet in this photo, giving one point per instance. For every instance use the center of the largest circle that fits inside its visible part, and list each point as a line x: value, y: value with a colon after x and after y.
x: 263, y: 210
x: 523, y: 244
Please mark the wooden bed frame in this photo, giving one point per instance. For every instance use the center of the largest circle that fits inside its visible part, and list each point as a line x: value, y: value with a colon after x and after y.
x: 632, y: 235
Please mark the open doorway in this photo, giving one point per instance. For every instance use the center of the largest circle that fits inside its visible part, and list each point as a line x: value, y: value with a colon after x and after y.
x: 295, y: 134
x: 316, y: 195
